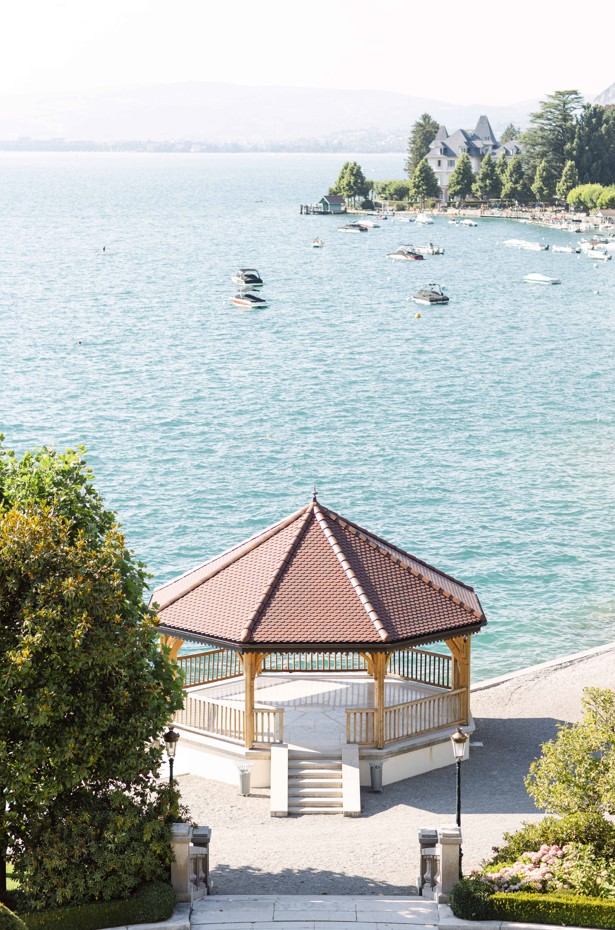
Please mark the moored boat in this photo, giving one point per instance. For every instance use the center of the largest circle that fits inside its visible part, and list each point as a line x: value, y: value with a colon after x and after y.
x: 574, y: 249
x: 526, y: 244
x: 247, y: 277
x: 468, y: 222
x: 425, y: 219
x: 429, y: 249
x: 245, y: 299
x: 317, y: 243
x: 598, y: 255
x: 536, y: 278
x: 352, y: 228
x: 406, y: 253
x: 430, y: 294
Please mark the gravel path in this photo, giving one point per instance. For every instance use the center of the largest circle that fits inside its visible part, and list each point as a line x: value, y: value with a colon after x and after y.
x: 253, y: 853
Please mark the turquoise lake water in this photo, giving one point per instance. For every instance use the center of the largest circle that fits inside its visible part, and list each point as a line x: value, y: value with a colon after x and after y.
x: 479, y: 437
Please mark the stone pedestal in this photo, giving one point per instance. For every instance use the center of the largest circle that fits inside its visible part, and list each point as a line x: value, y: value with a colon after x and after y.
x: 180, y: 867
x: 449, y: 845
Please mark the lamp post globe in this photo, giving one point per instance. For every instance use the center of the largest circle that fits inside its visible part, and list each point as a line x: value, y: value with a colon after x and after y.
x: 170, y: 741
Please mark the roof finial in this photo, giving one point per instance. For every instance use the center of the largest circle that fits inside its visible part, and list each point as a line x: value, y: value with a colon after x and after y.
x: 314, y: 493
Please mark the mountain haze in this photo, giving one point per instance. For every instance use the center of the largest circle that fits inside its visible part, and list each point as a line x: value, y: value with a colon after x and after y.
x: 220, y: 113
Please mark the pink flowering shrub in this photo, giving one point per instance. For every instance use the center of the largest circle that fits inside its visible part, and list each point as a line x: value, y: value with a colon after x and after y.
x: 574, y: 867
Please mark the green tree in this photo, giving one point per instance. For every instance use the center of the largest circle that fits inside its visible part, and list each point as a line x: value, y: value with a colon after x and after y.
x: 501, y: 166
x: 514, y: 184
x: 85, y: 690
x: 351, y: 182
x: 462, y: 179
x: 511, y: 133
x: 552, y: 130
x: 606, y: 200
x: 576, y: 771
x: 423, y: 133
x: 424, y: 184
x: 487, y: 185
x: 569, y: 179
x: 593, y: 148
x: 392, y: 190
x: 543, y: 186
x: 585, y: 196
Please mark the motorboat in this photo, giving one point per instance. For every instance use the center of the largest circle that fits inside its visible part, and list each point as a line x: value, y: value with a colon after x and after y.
x: 468, y: 222
x: 429, y: 249
x: 245, y: 299
x: 526, y: 244
x: 540, y: 279
x: 369, y: 223
x: 352, y: 228
x: 424, y: 218
x: 598, y: 255
x: 247, y: 277
x: 430, y: 294
x: 405, y: 219
x: 574, y: 249
x: 317, y: 243
x: 406, y: 253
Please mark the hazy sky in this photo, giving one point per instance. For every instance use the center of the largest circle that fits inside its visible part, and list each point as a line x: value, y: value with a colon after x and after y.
x: 489, y: 52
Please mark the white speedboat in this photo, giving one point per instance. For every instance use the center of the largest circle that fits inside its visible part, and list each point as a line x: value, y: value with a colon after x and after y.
x: 369, y: 224
x: 540, y: 279
x: 430, y: 294
x: 406, y: 253
x: 352, y: 228
x: 425, y: 219
x: 598, y: 255
x: 429, y: 249
x: 574, y: 249
x: 245, y: 299
x: 405, y: 219
x: 468, y: 222
x: 247, y: 277
x: 526, y: 244
x: 317, y: 243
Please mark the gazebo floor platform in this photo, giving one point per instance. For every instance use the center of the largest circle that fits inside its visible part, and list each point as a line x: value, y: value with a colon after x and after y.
x: 314, y: 704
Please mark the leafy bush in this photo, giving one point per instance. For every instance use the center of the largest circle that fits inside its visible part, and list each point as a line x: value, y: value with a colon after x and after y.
x: 10, y: 921
x: 564, y: 910
x: 574, y: 867
x: 89, y: 848
x: 584, y: 829
x: 154, y: 902
x: 471, y: 899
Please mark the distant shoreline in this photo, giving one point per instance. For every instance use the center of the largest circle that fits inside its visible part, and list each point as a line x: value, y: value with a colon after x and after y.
x: 33, y: 146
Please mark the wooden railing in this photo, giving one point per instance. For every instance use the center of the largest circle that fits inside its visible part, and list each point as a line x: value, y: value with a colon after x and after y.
x: 429, y: 668
x: 199, y: 668
x: 314, y: 662
x: 425, y: 715
x: 403, y: 721
x: 268, y: 724
x: 217, y: 719
x: 361, y: 725
x: 226, y: 720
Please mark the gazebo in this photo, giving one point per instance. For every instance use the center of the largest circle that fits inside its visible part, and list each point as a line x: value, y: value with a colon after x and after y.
x: 317, y: 598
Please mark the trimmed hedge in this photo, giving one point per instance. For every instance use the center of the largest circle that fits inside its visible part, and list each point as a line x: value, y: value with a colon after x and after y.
x: 10, y: 921
x: 471, y: 900
x: 565, y: 910
x: 152, y: 903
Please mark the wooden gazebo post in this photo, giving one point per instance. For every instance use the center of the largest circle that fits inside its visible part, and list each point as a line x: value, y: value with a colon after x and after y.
x: 460, y: 650
x: 377, y: 666
x: 249, y: 674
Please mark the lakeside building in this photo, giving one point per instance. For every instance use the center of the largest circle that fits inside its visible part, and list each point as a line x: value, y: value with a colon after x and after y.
x: 314, y: 670
x: 446, y: 149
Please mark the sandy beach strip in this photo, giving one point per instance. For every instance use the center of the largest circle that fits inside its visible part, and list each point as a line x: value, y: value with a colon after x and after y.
x: 253, y: 853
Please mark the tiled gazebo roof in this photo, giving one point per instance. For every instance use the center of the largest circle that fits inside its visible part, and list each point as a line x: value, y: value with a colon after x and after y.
x: 316, y: 579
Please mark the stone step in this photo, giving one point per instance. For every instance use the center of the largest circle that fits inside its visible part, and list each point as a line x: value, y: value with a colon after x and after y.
x: 311, y: 800
x: 315, y: 773
x: 315, y: 809
x: 313, y: 791
x: 316, y: 782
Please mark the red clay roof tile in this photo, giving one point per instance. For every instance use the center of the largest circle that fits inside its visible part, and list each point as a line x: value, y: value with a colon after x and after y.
x: 316, y: 579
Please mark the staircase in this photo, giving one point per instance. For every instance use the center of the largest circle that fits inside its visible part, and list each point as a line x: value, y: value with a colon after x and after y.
x: 315, y: 783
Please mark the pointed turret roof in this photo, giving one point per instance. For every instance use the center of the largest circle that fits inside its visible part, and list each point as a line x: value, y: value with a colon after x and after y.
x: 316, y: 579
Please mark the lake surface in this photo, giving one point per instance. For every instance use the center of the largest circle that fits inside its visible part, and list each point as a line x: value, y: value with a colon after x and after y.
x: 479, y: 437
